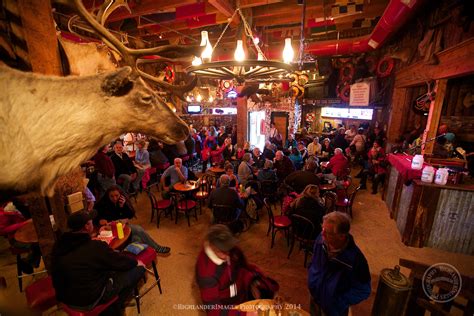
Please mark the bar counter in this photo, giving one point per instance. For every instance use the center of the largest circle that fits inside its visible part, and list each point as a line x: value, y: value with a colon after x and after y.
x: 428, y: 214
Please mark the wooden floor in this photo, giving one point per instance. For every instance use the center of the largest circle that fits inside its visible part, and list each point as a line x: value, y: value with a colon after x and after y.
x: 373, y: 230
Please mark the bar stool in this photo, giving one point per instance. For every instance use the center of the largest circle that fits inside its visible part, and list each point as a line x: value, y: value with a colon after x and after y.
x: 148, y: 257
x: 93, y: 312
x: 40, y: 295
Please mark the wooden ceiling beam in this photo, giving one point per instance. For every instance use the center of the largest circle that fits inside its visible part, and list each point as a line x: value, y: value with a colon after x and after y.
x: 223, y: 6
x: 243, y: 4
x: 146, y: 7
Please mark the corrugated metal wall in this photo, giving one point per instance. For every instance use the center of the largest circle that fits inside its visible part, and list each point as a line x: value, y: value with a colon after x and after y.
x: 403, y: 207
x: 453, y: 226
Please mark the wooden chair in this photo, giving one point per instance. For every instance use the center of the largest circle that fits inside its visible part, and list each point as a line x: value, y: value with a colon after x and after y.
x: 303, y: 230
x: 277, y: 223
x: 158, y: 207
x: 269, y: 189
x: 227, y: 215
x: 346, y: 204
x: 184, y: 205
x: 204, y: 190
x: 330, y: 199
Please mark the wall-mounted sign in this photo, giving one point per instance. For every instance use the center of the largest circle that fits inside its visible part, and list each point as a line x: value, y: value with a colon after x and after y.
x: 360, y: 94
x: 359, y: 114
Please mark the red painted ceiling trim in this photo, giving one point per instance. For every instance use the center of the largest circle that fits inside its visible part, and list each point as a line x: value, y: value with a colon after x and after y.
x: 394, y: 16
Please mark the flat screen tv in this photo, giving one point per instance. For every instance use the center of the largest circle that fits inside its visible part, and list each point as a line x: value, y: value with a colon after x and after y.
x: 193, y: 109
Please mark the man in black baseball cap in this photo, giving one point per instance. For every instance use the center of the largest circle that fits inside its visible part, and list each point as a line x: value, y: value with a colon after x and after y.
x: 88, y: 272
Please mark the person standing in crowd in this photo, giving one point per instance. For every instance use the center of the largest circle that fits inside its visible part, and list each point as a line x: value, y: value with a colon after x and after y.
x: 221, y: 136
x: 229, y: 150
x: 222, y: 273
x: 340, y: 140
x: 87, y: 272
x: 339, y: 275
x: 314, y: 148
x: 350, y: 133
x: 359, y: 144
x: 124, y: 168
x: 282, y: 165
x: 142, y: 160
x: 290, y: 142
x: 114, y: 206
x: 105, y: 169
x: 273, y: 133
x: 375, y: 166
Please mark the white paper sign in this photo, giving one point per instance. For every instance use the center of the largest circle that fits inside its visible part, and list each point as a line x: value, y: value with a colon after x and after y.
x: 360, y: 94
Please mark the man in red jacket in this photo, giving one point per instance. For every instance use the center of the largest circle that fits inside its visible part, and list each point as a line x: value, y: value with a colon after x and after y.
x: 338, y: 163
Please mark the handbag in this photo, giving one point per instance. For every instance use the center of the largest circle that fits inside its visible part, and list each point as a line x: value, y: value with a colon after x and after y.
x: 266, y: 286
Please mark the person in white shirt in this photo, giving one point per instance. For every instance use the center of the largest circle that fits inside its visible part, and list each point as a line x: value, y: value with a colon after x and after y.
x: 314, y: 148
x: 351, y: 133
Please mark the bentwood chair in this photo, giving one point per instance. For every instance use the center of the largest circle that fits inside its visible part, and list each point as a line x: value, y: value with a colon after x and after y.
x: 277, y: 223
x: 346, y: 204
x: 304, y: 231
x: 93, y: 312
x: 158, y: 207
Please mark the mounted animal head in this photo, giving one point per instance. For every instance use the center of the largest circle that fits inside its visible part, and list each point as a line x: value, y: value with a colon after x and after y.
x: 50, y: 125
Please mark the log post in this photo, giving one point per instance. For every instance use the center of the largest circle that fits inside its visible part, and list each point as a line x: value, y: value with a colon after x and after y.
x: 242, y: 119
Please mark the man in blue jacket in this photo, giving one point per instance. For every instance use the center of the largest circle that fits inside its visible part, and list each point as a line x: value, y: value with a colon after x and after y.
x: 338, y: 276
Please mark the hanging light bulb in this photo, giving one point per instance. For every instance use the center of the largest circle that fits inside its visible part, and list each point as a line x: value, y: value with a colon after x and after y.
x: 239, y: 54
x: 196, y: 61
x: 198, y: 97
x: 206, y: 54
x: 211, y: 98
x: 288, y: 52
x: 204, y: 38
x: 188, y: 99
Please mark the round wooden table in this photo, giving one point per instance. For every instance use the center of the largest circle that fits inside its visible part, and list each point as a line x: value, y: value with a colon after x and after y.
x: 27, y: 233
x: 268, y: 308
x: 327, y: 186
x: 216, y: 170
x: 186, y: 187
x: 116, y: 243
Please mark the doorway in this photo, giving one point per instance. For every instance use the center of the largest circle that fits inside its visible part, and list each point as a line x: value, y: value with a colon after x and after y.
x: 257, y: 129
x: 281, y: 123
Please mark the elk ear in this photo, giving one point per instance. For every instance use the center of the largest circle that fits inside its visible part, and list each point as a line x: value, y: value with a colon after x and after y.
x: 118, y: 83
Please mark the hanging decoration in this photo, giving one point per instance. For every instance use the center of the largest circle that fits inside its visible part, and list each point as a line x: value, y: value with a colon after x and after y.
x: 343, y: 91
x: 385, y: 67
x: 310, y: 117
x: 347, y: 72
x: 169, y: 74
x: 226, y: 85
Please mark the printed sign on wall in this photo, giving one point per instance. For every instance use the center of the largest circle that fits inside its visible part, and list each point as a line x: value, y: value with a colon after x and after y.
x: 360, y: 94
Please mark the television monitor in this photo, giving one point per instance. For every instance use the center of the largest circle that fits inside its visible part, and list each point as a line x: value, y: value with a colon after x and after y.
x: 192, y: 109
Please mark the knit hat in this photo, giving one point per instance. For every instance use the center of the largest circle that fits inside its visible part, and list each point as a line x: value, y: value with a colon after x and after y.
x: 220, y: 236
x: 76, y: 221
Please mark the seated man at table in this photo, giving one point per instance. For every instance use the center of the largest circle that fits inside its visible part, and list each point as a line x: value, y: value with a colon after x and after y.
x: 176, y: 173
x: 282, y: 165
x: 114, y: 206
x: 224, y: 195
x: 299, y: 179
x: 338, y: 164
x: 87, y: 272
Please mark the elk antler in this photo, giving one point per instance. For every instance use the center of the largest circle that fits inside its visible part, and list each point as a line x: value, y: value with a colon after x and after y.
x: 108, y: 7
x: 130, y: 56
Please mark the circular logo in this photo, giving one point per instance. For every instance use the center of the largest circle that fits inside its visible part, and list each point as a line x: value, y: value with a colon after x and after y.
x: 442, y: 282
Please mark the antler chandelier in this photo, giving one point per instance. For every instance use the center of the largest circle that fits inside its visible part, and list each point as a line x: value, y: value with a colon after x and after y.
x: 240, y: 69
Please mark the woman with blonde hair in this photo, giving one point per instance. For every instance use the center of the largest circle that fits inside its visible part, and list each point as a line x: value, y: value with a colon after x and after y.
x: 309, y: 205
